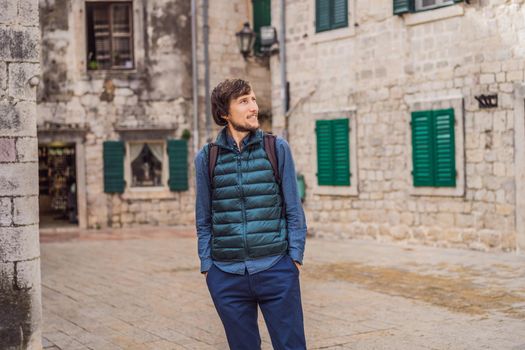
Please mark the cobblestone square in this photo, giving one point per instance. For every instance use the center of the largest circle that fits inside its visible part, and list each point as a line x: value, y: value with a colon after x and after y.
x: 141, y: 289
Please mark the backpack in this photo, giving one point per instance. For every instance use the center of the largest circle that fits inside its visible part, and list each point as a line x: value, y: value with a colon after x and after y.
x: 269, y: 141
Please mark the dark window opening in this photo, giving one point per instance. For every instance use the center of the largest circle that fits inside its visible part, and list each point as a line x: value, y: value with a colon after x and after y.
x: 146, y: 167
x: 109, y: 35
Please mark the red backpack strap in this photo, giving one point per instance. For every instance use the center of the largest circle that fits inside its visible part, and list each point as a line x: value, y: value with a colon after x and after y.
x: 213, y: 154
x: 270, y: 148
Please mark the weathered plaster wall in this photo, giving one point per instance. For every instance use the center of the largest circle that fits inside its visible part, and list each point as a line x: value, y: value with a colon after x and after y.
x: 156, y: 94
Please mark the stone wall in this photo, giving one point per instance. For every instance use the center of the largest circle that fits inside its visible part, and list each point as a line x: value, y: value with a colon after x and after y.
x: 225, y: 18
x: 120, y: 104
x: 20, y: 292
x: 377, y: 70
x: 156, y: 95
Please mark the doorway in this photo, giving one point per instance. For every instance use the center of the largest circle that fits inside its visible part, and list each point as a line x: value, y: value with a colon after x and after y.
x: 57, y: 185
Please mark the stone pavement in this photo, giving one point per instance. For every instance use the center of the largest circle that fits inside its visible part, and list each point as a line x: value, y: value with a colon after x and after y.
x: 141, y: 289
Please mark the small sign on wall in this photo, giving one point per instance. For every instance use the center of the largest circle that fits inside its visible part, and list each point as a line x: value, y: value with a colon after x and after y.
x: 487, y: 101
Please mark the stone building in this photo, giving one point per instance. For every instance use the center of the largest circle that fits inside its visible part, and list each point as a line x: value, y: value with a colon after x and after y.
x: 407, y: 118
x: 20, y: 296
x: 116, y: 130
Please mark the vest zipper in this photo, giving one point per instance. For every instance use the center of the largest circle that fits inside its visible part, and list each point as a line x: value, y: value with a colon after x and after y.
x: 239, y: 177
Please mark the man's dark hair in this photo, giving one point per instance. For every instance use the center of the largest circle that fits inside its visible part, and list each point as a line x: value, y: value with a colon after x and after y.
x: 223, y: 94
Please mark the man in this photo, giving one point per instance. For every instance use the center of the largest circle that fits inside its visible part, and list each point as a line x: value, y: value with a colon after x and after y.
x: 251, y: 231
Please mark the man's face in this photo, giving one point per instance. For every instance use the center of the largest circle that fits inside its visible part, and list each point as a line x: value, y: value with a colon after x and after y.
x: 244, y: 113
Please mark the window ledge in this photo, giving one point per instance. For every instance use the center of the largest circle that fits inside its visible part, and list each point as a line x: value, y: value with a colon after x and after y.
x: 101, y: 74
x: 148, y: 193
x: 336, y: 190
x: 438, y: 191
x: 334, y: 34
x: 412, y: 19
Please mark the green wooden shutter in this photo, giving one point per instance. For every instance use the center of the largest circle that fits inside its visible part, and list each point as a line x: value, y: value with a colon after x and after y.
x: 178, y: 165
x: 262, y: 16
x: 422, y: 149
x: 325, y: 153
x: 340, y: 140
x: 322, y: 15
x: 339, y: 14
x: 113, y: 166
x: 444, y: 148
x: 403, y: 6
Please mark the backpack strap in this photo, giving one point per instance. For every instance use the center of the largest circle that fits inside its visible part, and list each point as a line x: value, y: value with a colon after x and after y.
x: 270, y: 148
x: 271, y: 151
x: 213, y: 154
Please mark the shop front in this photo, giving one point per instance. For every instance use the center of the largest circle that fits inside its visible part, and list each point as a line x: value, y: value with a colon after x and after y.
x: 61, y: 177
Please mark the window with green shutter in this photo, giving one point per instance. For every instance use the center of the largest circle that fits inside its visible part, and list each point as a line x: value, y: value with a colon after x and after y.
x: 113, y: 154
x: 178, y: 165
x: 333, y: 152
x: 262, y: 16
x: 330, y: 14
x: 405, y: 6
x: 433, y: 148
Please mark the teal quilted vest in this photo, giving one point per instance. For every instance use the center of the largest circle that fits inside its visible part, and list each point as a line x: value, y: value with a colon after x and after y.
x: 247, y: 220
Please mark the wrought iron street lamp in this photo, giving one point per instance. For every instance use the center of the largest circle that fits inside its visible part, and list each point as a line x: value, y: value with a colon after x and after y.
x: 245, y: 40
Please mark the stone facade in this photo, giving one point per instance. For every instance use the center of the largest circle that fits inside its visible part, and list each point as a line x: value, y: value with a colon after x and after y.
x: 20, y: 292
x: 225, y: 18
x: 152, y: 102
x: 379, y: 69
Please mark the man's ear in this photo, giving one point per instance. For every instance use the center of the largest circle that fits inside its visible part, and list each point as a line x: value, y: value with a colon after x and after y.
x: 224, y: 114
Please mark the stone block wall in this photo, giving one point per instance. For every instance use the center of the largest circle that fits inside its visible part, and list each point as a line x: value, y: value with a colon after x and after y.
x: 378, y: 70
x: 20, y: 292
x: 155, y: 95
x: 225, y: 18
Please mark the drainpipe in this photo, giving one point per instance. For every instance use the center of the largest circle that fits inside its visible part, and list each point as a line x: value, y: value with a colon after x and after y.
x: 195, y: 76
x: 282, y: 58
x: 206, y: 28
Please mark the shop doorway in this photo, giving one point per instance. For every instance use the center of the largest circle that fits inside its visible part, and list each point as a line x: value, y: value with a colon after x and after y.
x: 57, y: 185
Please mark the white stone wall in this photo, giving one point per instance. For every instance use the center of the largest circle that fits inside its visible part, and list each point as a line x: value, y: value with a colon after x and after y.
x: 379, y: 70
x: 20, y: 291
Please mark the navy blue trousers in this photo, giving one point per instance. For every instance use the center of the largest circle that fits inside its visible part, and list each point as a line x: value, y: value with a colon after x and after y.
x: 277, y: 293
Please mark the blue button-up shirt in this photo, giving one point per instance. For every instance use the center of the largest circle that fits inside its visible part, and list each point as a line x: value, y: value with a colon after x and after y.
x: 295, y: 218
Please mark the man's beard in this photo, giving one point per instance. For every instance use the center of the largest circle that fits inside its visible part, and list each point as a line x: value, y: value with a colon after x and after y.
x: 243, y: 128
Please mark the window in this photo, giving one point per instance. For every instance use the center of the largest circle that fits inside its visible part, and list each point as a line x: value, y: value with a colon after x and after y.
x: 330, y: 14
x: 262, y: 16
x: 433, y: 148
x: 333, y: 152
x: 109, y: 35
x: 404, y: 6
x: 146, y: 164
x: 159, y: 164
x: 430, y: 4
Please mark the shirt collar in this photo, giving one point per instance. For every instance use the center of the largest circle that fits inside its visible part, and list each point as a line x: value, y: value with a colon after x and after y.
x: 225, y: 139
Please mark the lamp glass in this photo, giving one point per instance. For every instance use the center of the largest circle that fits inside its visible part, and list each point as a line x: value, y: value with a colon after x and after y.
x: 245, y: 39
